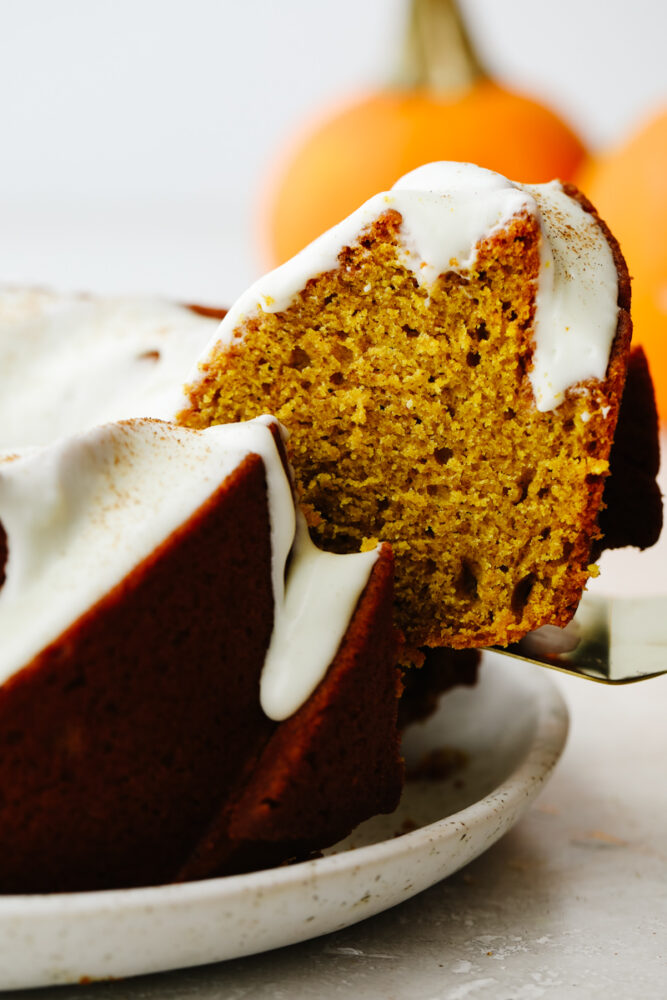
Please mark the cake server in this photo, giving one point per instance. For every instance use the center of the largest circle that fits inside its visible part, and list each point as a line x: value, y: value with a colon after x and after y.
x: 614, y: 640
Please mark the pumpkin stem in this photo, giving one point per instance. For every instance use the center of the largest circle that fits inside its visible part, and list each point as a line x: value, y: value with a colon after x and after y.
x: 438, y: 53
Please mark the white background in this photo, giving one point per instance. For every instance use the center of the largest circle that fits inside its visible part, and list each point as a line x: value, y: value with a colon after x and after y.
x: 135, y: 140
x: 136, y: 136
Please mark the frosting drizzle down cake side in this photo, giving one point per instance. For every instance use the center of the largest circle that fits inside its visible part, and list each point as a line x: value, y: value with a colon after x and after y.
x: 458, y: 346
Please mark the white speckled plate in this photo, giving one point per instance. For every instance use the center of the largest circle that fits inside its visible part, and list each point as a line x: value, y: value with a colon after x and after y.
x: 506, y: 735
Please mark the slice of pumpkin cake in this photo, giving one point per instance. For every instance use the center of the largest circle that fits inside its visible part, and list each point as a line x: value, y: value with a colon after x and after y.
x: 449, y: 362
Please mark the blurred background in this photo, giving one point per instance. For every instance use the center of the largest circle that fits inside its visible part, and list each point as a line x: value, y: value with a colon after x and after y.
x: 142, y: 146
x: 139, y: 139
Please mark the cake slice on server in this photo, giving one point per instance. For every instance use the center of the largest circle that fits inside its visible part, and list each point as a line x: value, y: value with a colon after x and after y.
x: 173, y: 646
x: 449, y: 362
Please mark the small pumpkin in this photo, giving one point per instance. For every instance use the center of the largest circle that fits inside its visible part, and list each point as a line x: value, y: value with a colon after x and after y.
x: 445, y: 107
x: 628, y: 186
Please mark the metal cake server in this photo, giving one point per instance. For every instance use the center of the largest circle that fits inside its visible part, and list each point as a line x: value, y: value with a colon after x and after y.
x: 613, y: 640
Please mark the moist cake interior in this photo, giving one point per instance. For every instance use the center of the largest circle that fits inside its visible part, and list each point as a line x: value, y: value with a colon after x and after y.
x: 426, y: 432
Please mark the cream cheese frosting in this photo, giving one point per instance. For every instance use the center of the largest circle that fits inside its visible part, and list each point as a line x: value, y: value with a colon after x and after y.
x: 316, y: 605
x: 81, y: 514
x: 446, y: 209
x: 71, y: 362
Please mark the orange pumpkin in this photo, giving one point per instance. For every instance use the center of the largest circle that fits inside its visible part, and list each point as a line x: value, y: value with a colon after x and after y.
x: 628, y: 186
x: 450, y: 110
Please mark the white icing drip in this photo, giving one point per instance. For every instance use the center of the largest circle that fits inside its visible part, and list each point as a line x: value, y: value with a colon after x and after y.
x: 81, y: 514
x: 312, y: 606
x: 71, y: 362
x: 323, y: 588
x: 446, y: 209
x: 577, y: 298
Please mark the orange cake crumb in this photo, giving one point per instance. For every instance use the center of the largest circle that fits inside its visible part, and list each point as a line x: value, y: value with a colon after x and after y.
x: 412, y: 420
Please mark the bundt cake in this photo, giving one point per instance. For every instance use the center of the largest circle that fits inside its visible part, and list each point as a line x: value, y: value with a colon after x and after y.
x: 449, y: 363
x: 158, y: 625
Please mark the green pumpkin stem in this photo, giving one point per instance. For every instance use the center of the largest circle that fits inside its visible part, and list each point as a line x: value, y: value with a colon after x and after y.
x: 438, y: 54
